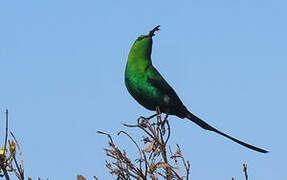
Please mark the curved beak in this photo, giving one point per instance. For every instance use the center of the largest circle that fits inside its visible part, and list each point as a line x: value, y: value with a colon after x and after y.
x: 151, y: 33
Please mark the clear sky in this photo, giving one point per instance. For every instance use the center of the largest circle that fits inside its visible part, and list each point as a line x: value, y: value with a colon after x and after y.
x: 62, y: 79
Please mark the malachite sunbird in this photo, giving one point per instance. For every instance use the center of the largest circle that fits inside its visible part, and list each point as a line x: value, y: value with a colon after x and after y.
x: 152, y: 91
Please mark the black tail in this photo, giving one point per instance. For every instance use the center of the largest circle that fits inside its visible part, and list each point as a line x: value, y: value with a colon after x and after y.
x: 206, y: 126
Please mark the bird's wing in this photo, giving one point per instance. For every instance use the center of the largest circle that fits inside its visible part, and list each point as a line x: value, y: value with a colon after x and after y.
x: 171, y: 102
x: 156, y: 80
x: 164, y: 88
x: 161, y: 86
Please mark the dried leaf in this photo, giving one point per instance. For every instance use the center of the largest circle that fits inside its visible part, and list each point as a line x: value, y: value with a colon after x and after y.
x: 149, y: 148
x: 163, y: 165
x: 80, y: 177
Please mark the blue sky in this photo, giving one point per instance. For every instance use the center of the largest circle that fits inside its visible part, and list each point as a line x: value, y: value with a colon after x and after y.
x: 62, y: 66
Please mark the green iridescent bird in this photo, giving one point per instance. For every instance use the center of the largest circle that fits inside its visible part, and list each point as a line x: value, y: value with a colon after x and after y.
x: 152, y: 91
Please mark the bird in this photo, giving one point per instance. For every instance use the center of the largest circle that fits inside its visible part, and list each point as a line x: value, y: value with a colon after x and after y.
x: 148, y: 87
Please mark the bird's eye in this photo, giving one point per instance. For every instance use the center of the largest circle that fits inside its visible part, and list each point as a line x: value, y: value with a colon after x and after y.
x: 140, y: 38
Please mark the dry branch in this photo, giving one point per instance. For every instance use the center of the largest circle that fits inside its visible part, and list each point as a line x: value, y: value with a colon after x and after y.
x: 8, y: 158
x: 153, y: 161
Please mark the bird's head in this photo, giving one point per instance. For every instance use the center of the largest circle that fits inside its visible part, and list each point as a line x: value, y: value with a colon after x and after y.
x: 143, y: 44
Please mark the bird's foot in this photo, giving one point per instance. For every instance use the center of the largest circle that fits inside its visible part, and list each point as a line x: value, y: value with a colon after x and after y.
x: 143, y: 120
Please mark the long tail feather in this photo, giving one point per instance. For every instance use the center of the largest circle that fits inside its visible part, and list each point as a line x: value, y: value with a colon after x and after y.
x: 206, y: 126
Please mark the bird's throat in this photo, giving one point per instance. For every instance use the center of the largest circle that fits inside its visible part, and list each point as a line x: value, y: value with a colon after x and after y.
x: 141, y: 51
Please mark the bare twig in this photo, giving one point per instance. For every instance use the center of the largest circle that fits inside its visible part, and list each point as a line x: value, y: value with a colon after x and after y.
x: 19, y: 150
x: 245, y: 171
x: 8, y: 157
x: 21, y: 167
x: 141, y: 154
x: 185, y: 163
x: 3, y: 160
x: 6, y: 131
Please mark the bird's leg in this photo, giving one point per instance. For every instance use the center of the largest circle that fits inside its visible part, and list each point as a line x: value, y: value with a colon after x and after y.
x: 158, y: 113
x: 162, y: 123
x: 165, y: 119
x: 142, y: 120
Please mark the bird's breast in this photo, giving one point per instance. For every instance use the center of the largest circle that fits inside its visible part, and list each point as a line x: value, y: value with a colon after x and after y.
x: 142, y: 91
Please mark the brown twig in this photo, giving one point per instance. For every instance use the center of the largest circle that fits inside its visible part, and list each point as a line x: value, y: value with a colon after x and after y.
x: 3, y: 160
x: 185, y: 163
x: 141, y: 154
x: 21, y: 167
x: 6, y: 131
x: 168, y: 130
x: 245, y: 171
x: 8, y: 157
